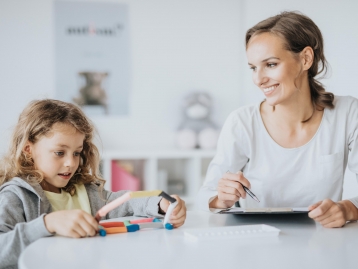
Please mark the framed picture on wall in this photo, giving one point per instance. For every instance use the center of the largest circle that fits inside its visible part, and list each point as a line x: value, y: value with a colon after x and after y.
x: 92, y: 56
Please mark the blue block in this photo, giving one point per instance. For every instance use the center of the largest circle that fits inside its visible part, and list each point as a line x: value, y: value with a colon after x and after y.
x: 169, y: 226
x: 102, y: 232
x: 132, y: 228
x: 157, y: 220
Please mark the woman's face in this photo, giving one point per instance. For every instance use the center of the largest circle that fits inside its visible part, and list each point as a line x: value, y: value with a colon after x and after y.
x: 275, y: 70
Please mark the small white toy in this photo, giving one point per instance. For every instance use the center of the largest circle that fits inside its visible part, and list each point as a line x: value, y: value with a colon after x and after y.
x: 197, y: 130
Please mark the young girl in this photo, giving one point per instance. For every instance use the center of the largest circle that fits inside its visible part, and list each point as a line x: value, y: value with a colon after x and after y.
x: 292, y: 148
x: 50, y: 183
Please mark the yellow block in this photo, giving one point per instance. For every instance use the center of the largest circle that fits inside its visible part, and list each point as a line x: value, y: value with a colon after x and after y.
x: 140, y: 194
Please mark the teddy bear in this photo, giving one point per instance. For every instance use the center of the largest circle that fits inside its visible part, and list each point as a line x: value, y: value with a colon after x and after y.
x: 92, y: 93
x: 197, y: 130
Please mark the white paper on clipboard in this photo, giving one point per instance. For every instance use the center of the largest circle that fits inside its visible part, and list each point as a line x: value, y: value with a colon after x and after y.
x: 264, y: 210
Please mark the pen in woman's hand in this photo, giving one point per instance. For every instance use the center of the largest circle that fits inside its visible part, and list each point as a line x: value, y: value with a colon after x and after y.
x: 253, y: 196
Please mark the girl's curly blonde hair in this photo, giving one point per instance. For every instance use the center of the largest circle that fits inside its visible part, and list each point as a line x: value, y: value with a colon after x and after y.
x: 37, y: 120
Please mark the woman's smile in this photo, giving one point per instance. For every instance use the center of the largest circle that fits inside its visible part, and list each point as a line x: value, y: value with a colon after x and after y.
x: 269, y: 90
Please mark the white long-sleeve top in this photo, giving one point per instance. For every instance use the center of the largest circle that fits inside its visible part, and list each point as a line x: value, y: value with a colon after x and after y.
x: 286, y: 177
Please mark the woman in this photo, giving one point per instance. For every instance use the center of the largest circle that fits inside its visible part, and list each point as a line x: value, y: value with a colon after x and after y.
x: 292, y: 149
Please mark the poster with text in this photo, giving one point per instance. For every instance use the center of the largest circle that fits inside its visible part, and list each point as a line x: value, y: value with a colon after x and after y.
x: 92, y: 56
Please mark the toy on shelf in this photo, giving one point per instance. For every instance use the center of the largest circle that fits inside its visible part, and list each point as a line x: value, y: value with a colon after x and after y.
x: 93, y: 94
x: 197, y: 130
x: 122, y: 176
x: 135, y: 225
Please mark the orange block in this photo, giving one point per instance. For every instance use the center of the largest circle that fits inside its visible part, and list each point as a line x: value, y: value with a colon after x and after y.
x: 115, y: 230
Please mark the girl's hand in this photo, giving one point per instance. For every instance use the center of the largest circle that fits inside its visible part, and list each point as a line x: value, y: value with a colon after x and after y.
x: 178, y: 215
x: 230, y: 190
x: 71, y: 223
x: 328, y: 213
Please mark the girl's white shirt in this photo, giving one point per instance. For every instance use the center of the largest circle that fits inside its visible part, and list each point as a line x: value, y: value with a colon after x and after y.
x: 286, y: 177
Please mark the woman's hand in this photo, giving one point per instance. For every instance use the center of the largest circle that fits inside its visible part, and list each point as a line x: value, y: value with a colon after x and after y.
x: 331, y: 214
x: 71, y: 223
x: 230, y: 190
x: 178, y: 215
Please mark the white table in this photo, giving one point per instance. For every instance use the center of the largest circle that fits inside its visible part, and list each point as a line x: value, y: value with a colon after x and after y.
x: 301, y: 244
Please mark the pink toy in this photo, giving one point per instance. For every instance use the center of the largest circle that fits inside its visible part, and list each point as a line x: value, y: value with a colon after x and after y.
x: 122, y: 180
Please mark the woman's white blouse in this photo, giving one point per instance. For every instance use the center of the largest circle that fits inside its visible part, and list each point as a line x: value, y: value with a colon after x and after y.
x: 286, y: 177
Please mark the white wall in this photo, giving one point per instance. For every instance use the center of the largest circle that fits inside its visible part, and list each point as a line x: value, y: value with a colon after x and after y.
x: 26, y: 58
x: 176, y: 46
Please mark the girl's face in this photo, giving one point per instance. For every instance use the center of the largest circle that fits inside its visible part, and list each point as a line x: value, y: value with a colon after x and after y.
x: 275, y: 70
x: 57, y: 155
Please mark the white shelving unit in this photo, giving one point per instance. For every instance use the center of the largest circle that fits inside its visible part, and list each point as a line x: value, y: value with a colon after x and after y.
x: 188, y: 166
